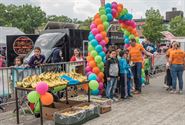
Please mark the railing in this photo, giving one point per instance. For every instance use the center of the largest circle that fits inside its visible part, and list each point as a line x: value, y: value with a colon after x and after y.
x: 10, y: 76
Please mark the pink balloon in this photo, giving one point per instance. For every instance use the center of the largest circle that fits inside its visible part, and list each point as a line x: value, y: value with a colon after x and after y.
x: 103, y: 43
x: 105, y: 49
x: 93, y: 26
x: 100, y: 85
x: 99, y: 37
x: 88, y: 69
x: 88, y: 73
x: 98, y: 79
x: 114, y: 11
x: 126, y: 46
x: 114, y: 5
x: 42, y: 88
x: 94, y: 31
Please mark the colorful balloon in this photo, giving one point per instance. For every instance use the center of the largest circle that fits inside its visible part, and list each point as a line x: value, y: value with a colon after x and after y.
x: 33, y: 97
x: 92, y: 77
x: 94, y: 42
x: 98, y: 59
x: 98, y: 48
x: 42, y: 88
x: 93, y: 84
x: 47, y: 99
x: 95, y: 92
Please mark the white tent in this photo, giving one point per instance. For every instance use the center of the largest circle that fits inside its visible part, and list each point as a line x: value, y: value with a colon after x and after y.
x: 5, y: 31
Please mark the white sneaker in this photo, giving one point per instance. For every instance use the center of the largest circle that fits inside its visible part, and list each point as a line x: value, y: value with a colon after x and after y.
x: 180, y: 92
x: 115, y: 99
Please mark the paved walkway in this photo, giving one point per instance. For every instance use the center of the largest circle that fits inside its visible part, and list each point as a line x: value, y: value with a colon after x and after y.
x: 154, y: 107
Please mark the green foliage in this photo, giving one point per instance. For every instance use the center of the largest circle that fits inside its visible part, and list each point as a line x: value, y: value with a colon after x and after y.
x: 31, y: 18
x: 177, y: 26
x: 26, y: 17
x: 153, y: 25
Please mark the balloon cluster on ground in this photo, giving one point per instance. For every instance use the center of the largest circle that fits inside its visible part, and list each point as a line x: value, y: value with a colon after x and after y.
x: 41, y: 94
x: 98, y: 40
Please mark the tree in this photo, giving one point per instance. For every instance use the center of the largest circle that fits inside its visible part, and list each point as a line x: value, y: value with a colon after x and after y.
x: 177, y: 26
x: 62, y: 18
x: 153, y: 25
x: 85, y: 25
x: 25, y: 17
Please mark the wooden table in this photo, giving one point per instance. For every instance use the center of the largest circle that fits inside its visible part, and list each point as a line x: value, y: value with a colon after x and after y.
x: 31, y: 89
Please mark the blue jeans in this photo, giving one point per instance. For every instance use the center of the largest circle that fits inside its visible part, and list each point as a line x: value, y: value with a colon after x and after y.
x: 111, y: 86
x: 177, y: 72
x: 137, y: 70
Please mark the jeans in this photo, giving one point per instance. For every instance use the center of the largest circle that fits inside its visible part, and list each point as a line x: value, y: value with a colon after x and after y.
x: 111, y: 86
x: 136, y: 70
x: 177, y: 72
x: 123, y: 84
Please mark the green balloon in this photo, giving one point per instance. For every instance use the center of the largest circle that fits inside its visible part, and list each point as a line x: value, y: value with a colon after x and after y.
x: 98, y: 59
x: 90, y: 48
x: 93, y: 84
x: 94, y: 53
x: 103, y: 18
x: 102, y: 12
x: 102, y: 69
x: 106, y: 25
x: 37, y: 107
x: 101, y: 8
x: 101, y: 64
x: 125, y: 11
x: 126, y: 33
x: 137, y: 39
x: 33, y: 97
x: 131, y: 37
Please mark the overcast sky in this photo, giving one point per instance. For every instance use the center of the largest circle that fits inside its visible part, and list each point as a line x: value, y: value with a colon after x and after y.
x: 82, y: 9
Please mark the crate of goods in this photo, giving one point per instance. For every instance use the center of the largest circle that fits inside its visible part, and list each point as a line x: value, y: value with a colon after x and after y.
x: 92, y: 110
x: 48, y: 112
x: 70, y: 116
x: 105, y: 104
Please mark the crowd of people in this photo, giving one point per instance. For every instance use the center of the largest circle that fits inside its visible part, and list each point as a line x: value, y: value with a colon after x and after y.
x: 124, y: 67
x: 174, y: 68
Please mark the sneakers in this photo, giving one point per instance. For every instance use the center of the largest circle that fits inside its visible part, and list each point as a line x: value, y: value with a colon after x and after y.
x: 180, y: 92
x: 173, y: 92
x: 136, y: 92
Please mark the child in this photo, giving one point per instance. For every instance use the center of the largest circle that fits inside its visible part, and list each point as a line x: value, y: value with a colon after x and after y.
x: 124, y: 75
x: 147, y: 68
x: 112, y: 73
x: 37, y: 59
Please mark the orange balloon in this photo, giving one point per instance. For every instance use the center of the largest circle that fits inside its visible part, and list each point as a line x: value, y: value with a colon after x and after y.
x: 106, y: 40
x: 100, y: 27
x: 98, y: 21
x: 97, y: 16
x: 89, y: 58
x: 120, y: 5
x: 123, y: 25
x: 92, y: 64
x: 129, y: 28
x: 96, y: 70
x: 85, y: 87
x: 117, y: 15
x: 101, y: 75
x: 104, y: 34
x: 46, y: 99
x: 119, y: 9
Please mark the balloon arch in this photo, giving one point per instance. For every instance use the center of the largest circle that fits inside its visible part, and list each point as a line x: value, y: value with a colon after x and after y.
x: 98, y: 40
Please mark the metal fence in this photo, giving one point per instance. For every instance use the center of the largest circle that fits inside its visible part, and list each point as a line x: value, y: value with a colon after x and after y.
x: 10, y: 76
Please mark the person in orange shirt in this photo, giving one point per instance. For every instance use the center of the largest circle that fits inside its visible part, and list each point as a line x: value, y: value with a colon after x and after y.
x: 136, y: 59
x: 177, y: 63
x: 168, y: 72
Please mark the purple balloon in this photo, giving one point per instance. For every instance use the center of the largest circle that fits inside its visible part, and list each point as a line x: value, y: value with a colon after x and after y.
x: 99, y: 37
x: 88, y: 69
x: 101, y: 85
x: 103, y: 43
x: 94, y: 31
x: 114, y: 5
x: 93, y: 26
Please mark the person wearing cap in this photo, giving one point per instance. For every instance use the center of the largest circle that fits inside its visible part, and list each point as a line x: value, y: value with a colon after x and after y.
x: 136, y: 59
x: 177, y: 63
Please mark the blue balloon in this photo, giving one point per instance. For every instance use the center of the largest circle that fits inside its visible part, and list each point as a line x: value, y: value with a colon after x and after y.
x: 98, y: 48
x: 108, y: 5
x: 94, y: 42
x: 110, y: 17
x: 95, y: 92
x: 127, y: 41
x: 91, y: 37
x: 128, y: 16
x: 102, y: 54
x: 92, y: 76
x: 123, y: 17
x: 108, y: 10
